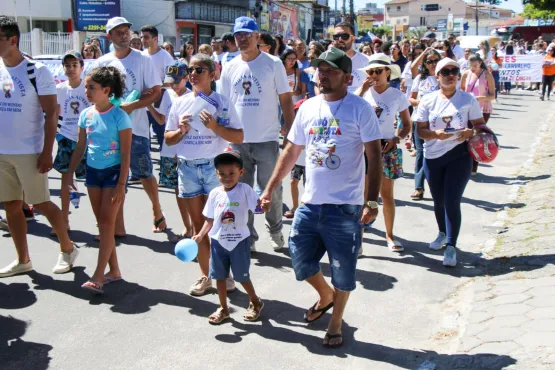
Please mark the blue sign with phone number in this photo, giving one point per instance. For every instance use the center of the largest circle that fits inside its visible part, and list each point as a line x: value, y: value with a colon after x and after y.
x: 92, y: 15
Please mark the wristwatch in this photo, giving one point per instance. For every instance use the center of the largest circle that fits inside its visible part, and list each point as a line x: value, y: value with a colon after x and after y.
x: 372, y: 204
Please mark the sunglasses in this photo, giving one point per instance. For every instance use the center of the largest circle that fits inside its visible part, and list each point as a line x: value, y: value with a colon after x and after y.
x: 291, y: 59
x: 197, y: 70
x: 378, y: 72
x: 241, y: 35
x: 432, y: 61
x: 446, y: 72
x: 342, y: 36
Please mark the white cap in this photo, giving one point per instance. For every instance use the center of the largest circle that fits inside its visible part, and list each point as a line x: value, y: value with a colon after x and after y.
x: 446, y: 62
x: 116, y: 22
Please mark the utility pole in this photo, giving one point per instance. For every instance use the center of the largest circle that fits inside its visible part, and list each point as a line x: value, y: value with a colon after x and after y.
x: 477, y: 18
x: 344, y: 8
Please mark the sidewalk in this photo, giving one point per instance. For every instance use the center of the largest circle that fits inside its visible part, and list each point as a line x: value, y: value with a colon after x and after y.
x: 512, y: 308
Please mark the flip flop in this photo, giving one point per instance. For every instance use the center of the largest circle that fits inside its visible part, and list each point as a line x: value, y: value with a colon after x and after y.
x: 180, y: 237
x: 289, y: 214
x: 93, y: 287
x: 314, y: 310
x: 395, y: 246
x: 158, y: 222
x: 329, y: 337
x: 110, y: 280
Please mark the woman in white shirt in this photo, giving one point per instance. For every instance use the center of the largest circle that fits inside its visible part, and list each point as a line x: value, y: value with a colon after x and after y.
x: 199, y: 139
x: 442, y: 122
x: 387, y: 102
x: 424, y: 84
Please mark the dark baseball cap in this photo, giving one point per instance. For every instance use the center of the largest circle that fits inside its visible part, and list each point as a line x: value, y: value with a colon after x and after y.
x: 228, y: 36
x: 175, y: 72
x: 429, y: 36
x: 73, y: 54
x: 229, y: 156
x: 335, y: 58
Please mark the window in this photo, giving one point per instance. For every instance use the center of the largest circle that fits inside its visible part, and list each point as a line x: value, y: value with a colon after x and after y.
x: 388, y: 8
x: 398, y: 8
x: 387, y: 21
x: 422, y: 21
x: 405, y: 20
x: 398, y: 21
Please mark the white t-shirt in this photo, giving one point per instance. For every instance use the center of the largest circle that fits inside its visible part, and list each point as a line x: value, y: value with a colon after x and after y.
x: 168, y: 98
x: 254, y: 88
x: 463, y: 64
x: 458, y: 51
x: 230, y: 212
x: 217, y: 57
x: 487, y: 58
x: 160, y: 60
x: 228, y: 56
x: 72, y: 102
x: 139, y: 75
x: 407, y: 77
x: 442, y: 113
x: 386, y: 105
x: 21, y: 116
x: 205, y: 144
x: 423, y: 88
x: 334, y: 134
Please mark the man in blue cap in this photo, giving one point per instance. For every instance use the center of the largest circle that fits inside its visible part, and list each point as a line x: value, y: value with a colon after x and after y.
x: 255, y: 81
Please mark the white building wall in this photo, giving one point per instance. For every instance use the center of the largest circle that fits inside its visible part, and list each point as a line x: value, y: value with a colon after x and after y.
x: 158, y: 13
x: 39, y: 10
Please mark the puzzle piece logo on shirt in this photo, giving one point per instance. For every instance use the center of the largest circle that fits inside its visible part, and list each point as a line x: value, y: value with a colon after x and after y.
x: 75, y: 106
x: 447, y: 120
x: 247, y: 87
x: 379, y: 111
x: 7, y: 87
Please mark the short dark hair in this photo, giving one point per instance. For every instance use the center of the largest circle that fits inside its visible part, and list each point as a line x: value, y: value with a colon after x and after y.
x: 228, y: 36
x: 346, y: 25
x: 109, y: 77
x: 150, y: 29
x: 268, y: 39
x: 386, y: 46
x: 10, y: 28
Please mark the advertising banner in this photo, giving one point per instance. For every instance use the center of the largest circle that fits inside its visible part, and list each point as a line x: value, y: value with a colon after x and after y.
x: 92, y: 15
x: 57, y: 70
x: 521, y: 68
x: 284, y: 20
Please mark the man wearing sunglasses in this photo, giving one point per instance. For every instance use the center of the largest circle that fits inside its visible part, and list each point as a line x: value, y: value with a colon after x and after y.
x: 255, y: 83
x: 343, y: 39
x: 457, y: 50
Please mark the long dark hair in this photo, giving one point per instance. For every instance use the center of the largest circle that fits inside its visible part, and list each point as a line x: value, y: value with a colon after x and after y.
x: 424, y: 73
x: 420, y: 46
x: 283, y: 56
x: 268, y: 39
x: 449, y: 52
x: 280, y: 45
x: 477, y: 59
x: 509, y: 50
x: 109, y: 77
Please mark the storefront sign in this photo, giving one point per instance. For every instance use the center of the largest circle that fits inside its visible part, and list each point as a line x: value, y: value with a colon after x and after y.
x: 92, y: 15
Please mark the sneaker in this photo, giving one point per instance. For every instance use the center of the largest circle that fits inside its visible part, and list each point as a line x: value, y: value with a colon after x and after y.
x: 230, y: 284
x: 450, y: 256
x: 133, y: 180
x: 201, y: 286
x: 16, y: 268
x: 439, y: 243
x: 29, y: 214
x: 4, y: 224
x: 253, y: 245
x: 65, y: 261
x: 360, y: 252
x: 276, y: 241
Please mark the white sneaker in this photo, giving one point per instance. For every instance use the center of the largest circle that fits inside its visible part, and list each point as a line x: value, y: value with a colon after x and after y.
x: 230, y: 284
x: 253, y: 245
x: 276, y: 241
x: 360, y: 251
x: 439, y: 243
x: 201, y: 286
x: 450, y: 256
x: 16, y: 268
x: 65, y: 261
x: 4, y: 224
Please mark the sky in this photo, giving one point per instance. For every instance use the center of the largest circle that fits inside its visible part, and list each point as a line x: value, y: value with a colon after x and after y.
x: 515, y: 5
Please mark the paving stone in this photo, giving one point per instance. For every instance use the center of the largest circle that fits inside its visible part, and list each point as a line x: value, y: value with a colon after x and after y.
x: 511, y: 309
x: 502, y: 290
x: 482, y: 286
x: 496, y: 348
x: 541, y: 291
x: 500, y: 334
x: 507, y: 321
x: 484, y: 296
x: 542, y: 313
x: 478, y: 317
x: 513, y: 282
x: 539, y: 325
x: 543, y: 301
x: 467, y: 343
x: 537, y: 339
x: 473, y: 329
x: 545, y: 281
x: 508, y: 299
x: 550, y: 359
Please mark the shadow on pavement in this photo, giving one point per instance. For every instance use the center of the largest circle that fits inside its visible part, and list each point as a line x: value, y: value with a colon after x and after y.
x: 368, y: 279
x: 16, y: 295
x: 490, y: 206
x: 480, y: 177
x: 15, y: 353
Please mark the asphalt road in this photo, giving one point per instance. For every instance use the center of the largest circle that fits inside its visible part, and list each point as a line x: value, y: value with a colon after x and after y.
x: 149, y: 321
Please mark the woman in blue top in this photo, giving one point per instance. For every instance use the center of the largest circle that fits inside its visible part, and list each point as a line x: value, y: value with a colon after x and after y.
x: 105, y: 131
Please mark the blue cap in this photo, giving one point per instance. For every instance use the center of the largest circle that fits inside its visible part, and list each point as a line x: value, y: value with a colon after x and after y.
x: 175, y: 72
x: 245, y: 24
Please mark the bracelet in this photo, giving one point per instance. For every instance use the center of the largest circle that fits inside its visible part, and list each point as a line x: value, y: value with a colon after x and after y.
x: 122, y: 183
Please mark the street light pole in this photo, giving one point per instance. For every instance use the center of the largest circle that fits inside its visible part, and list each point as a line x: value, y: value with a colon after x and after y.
x: 477, y: 18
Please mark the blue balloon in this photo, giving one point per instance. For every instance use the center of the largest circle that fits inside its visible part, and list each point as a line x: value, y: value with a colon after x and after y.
x: 186, y: 250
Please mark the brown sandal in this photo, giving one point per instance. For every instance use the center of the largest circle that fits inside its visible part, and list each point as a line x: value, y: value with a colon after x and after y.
x: 218, y: 317
x: 253, y: 312
x: 417, y: 195
x: 289, y: 214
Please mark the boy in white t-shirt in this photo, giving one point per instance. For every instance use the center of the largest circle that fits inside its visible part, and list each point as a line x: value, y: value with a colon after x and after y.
x: 227, y: 213
x: 71, y: 102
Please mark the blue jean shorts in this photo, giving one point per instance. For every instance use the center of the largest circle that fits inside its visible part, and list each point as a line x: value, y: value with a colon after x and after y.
x: 196, y: 177
x: 105, y: 178
x: 238, y: 260
x: 330, y: 228
x: 141, y: 163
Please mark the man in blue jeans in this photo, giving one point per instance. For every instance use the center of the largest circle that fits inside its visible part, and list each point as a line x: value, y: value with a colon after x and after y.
x: 336, y: 127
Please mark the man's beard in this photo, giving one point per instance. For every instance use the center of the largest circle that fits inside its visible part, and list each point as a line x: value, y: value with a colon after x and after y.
x: 344, y: 48
x: 225, y: 49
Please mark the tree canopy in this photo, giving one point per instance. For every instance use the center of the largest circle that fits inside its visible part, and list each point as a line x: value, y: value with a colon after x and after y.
x: 532, y: 12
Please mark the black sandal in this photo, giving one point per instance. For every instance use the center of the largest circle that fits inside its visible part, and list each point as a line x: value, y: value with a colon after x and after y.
x: 322, y: 310
x: 329, y: 337
x: 158, y: 222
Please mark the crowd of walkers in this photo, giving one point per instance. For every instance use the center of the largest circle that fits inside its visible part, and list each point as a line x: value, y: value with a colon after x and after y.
x: 217, y: 113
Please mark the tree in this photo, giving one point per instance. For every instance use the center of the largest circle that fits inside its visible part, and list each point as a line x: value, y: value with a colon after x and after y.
x: 541, y: 4
x: 381, y: 31
x: 530, y: 11
x: 416, y: 32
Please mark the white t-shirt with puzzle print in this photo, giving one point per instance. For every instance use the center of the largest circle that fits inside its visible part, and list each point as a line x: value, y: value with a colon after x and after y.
x: 442, y: 113
x: 334, y: 134
x: 230, y: 212
x: 72, y: 102
x: 168, y: 98
x: 386, y: 105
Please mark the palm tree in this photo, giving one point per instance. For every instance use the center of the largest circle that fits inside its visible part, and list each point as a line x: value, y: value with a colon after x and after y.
x: 416, y: 32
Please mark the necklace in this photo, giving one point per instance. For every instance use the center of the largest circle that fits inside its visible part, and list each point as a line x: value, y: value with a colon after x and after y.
x: 336, y: 109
